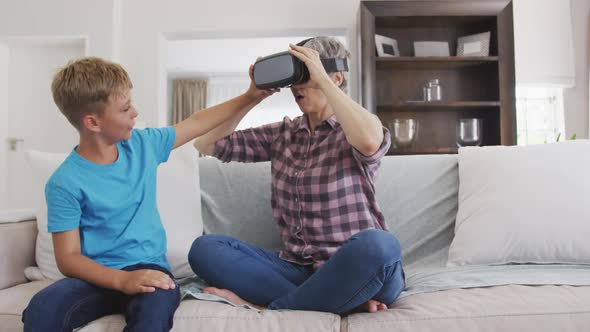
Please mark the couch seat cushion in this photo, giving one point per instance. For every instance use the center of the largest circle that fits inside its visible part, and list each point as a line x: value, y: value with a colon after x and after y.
x: 192, y: 315
x: 502, y: 308
x: 14, y: 300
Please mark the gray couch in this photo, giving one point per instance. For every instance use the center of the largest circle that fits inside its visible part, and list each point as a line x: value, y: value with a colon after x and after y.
x: 418, y: 196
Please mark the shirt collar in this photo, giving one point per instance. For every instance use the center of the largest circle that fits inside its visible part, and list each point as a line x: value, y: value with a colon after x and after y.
x: 302, y: 124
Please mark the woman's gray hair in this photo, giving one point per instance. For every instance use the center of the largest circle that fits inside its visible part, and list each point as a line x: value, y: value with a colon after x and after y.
x: 329, y: 47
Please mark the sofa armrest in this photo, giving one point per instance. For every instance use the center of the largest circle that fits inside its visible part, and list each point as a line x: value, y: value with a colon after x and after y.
x: 17, y: 251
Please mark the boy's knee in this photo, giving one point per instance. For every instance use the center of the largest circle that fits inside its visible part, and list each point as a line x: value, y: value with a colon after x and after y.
x: 379, y: 246
x: 154, y: 311
x: 41, y: 311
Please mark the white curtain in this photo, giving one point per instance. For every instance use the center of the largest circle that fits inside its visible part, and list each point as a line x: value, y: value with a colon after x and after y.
x: 543, y: 41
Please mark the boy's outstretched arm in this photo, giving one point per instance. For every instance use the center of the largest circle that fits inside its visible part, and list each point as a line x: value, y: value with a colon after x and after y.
x: 203, y: 121
x: 72, y: 263
x: 223, y: 115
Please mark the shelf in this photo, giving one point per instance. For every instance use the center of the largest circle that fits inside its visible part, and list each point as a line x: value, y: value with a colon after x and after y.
x: 429, y: 22
x: 410, y: 151
x: 434, y: 62
x: 471, y: 86
x: 438, y: 105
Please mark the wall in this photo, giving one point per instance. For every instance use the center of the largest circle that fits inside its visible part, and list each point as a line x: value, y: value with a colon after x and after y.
x: 93, y: 19
x: 145, y: 21
x: 133, y: 30
x: 576, y: 99
x: 3, y: 122
x: 37, y: 20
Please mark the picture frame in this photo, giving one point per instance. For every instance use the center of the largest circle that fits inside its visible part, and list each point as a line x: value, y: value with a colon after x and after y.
x: 386, y: 47
x: 474, y: 45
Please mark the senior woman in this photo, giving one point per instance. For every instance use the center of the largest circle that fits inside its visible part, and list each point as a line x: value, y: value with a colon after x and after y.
x: 337, y: 256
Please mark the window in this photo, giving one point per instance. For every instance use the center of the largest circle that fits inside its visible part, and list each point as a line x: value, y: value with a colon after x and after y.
x: 272, y: 109
x: 539, y: 115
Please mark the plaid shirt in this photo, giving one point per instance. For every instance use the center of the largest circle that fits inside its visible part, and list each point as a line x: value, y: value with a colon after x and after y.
x: 322, y: 187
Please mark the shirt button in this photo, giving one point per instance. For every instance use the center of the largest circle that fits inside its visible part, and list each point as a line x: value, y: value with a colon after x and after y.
x: 296, y: 200
x: 296, y: 173
x: 298, y: 228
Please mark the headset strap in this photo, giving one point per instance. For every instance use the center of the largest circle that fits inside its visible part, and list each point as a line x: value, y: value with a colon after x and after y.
x: 331, y: 65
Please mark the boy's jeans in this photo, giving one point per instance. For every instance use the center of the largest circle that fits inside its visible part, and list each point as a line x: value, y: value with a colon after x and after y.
x: 368, y: 266
x: 71, y: 303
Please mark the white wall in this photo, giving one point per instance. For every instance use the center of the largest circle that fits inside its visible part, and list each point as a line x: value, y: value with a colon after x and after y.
x: 144, y: 22
x: 93, y: 19
x: 3, y: 122
x: 140, y: 25
x: 576, y: 99
x: 233, y: 55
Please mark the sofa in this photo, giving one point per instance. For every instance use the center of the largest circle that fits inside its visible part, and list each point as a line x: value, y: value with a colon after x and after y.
x: 421, y: 198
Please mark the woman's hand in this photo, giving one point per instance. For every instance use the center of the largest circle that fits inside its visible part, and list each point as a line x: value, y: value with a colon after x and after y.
x: 317, y: 74
x: 255, y: 94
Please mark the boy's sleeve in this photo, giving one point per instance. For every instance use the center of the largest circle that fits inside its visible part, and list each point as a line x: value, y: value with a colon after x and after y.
x: 63, y: 209
x: 249, y: 145
x: 161, y: 140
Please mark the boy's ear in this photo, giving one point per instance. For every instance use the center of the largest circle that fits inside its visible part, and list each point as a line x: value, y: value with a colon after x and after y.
x: 90, y: 122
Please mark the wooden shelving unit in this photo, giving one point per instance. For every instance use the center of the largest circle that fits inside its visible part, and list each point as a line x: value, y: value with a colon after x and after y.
x: 472, y: 87
x: 432, y: 62
x: 410, y: 106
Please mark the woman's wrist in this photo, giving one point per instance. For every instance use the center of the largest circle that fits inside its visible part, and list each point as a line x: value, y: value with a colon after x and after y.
x: 251, y: 97
x: 326, y: 83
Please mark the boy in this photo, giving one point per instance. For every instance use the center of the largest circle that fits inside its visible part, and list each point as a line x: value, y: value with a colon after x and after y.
x: 101, y: 202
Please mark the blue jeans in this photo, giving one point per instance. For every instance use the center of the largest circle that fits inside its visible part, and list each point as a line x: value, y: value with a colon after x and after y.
x: 71, y: 303
x: 368, y: 266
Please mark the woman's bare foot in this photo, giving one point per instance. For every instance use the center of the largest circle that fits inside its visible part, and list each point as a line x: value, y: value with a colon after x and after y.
x: 230, y: 296
x: 372, y: 306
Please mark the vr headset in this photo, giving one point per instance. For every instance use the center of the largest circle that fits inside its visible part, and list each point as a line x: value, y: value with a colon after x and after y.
x: 283, y: 69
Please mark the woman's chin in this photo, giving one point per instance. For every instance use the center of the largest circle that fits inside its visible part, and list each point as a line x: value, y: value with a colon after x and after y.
x: 304, y: 109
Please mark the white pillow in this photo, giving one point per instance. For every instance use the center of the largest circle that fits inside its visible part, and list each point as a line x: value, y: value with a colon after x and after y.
x: 178, y: 199
x: 179, y: 203
x: 523, y: 205
x: 43, y: 164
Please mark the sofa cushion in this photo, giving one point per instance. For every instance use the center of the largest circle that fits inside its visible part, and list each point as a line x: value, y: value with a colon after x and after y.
x: 236, y: 201
x: 523, y: 204
x: 502, y: 308
x: 195, y: 315
x: 17, y: 241
x: 14, y: 300
x: 417, y: 194
x: 191, y: 315
x: 418, y: 197
x: 177, y: 198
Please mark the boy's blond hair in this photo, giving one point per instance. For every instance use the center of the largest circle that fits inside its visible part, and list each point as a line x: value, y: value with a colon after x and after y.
x: 85, y: 85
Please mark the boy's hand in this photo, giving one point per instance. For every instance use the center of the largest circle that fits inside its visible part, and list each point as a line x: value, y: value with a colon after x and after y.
x: 145, y: 281
x: 253, y: 92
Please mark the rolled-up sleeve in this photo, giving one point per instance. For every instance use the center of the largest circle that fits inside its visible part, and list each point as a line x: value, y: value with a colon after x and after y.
x: 375, y: 157
x: 249, y: 145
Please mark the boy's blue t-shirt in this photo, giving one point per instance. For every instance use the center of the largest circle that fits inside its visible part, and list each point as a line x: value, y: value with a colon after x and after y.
x: 114, y: 205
